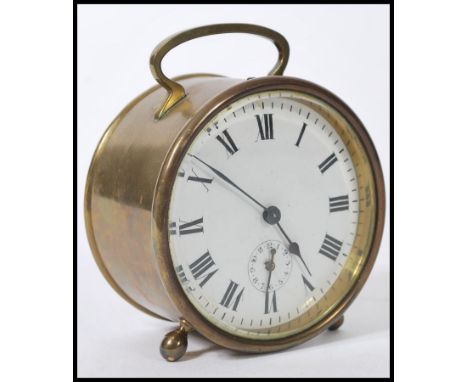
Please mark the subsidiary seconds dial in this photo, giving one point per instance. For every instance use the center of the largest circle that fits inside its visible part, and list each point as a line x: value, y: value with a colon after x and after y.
x: 269, y: 185
x: 270, y: 257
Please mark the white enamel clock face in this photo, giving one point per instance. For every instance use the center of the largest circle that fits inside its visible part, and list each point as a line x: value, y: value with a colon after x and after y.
x: 264, y: 214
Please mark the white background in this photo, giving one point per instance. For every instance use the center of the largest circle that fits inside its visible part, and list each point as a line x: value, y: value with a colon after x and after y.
x: 343, y: 48
x: 36, y: 273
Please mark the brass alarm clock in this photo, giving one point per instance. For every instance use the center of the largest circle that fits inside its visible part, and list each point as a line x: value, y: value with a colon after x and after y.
x: 249, y: 210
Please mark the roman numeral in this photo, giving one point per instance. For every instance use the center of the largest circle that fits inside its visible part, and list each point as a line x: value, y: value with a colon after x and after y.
x: 266, y: 129
x: 270, y: 302
x: 203, y: 268
x: 230, y: 299
x: 331, y: 247
x: 199, y: 179
x: 301, y: 134
x: 180, y: 272
x: 307, y: 284
x: 339, y: 203
x: 327, y: 163
x: 228, y: 144
x: 195, y: 178
x: 195, y: 226
x: 183, y: 278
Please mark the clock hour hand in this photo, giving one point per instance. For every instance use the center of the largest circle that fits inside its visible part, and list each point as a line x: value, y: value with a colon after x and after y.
x: 294, y: 248
x: 227, y: 180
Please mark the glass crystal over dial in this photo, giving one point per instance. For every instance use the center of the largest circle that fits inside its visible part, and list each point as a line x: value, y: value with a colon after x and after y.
x: 272, y: 215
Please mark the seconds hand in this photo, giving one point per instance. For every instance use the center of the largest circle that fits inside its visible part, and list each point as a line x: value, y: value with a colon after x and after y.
x: 269, y: 265
x: 272, y: 214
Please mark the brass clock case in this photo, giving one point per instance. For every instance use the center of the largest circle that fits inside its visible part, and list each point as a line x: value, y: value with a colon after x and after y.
x: 129, y: 185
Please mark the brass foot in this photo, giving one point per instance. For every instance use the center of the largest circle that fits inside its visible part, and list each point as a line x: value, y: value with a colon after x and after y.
x: 337, y: 324
x: 174, y: 344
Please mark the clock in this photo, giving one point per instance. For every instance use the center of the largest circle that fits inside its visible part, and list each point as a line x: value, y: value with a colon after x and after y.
x: 248, y: 210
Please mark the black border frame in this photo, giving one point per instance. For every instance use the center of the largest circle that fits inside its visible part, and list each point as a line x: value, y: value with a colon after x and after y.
x: 75, y: 153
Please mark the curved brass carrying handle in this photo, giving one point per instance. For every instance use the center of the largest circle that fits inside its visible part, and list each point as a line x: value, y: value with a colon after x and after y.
x: 176, y: 90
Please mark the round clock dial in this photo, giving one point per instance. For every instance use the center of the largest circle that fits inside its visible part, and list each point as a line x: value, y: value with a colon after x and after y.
x: 271, y: 215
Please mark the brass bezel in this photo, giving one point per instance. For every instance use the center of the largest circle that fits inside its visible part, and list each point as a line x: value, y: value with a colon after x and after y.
x: 162, y: 196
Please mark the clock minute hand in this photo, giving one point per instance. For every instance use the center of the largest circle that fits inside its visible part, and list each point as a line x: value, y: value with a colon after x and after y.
x: 227, y: 180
